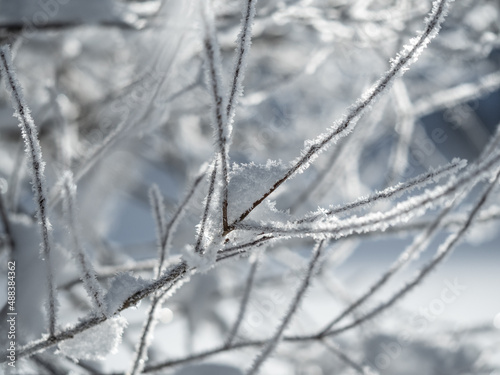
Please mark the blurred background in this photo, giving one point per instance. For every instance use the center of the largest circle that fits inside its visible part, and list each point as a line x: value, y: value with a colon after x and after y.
x: 118, y: 94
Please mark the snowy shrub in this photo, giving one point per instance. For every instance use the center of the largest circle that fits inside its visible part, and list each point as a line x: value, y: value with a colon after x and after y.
x: 214, y: 187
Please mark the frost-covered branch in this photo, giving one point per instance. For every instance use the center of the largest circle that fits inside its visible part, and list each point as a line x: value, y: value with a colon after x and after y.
x: 87, y: 273
x: 211, y: 187
x: 273, y: 342
x: 169, y: 279
x: 158, y: 209
x: 417, y: 182
x: 412, y: 252
x: 222, y: 128
x: 340, y: 129
x: 172, y: 223
x: 344, y: 357
x: 164, y: 233
x: 140, y: 355
x: 414, y: 206
x: 243, y: 48
x: 244, y: 302
x: 444, y: 250
x: 34, y: 154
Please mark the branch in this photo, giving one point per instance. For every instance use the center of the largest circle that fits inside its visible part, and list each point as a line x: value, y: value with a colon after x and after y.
x: 419, y: 244
x: 380, y: 221
x: 273, y: 342
x: 340, y: 129
x: 417, y: 182
x: 244, y: 302
x: 201, y: 232
x: 242, y: 50
x: 34, y: 153
x: 444, y: 250
x: 221, y: 127
x: 87, y: 273
x: 171, y: 277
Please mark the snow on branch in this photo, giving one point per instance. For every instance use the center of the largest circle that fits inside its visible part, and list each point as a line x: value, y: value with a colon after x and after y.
x: 417, y: 182
x: 343, y: 127
x: 201, y: 230
x: 331, y: 227
x: 37, y: 167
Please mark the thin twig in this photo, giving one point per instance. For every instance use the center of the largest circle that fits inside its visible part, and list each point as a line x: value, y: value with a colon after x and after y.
x: 344, y: 357
x: 201, y: 232
x: 242, y: 50
x: 34, y: 153
x: 392, y: 191
x: 244, y: 302
x: 88, y: 275
x: 273, y: 342
x: 220, y: 124
x: 419, y: 244
x: 444, y: 250
x: 164, y: 238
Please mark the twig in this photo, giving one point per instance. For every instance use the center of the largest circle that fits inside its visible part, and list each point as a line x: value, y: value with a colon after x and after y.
x: 88, y: 275
x: 221, y: 127
x: 158, y: 209
x: 164, y: 238
x: 380, y: 221
x: 392, y: 191
x: 273, y: 342
x: 242, y: 50
x: 442, y: 252
x: 244, y: 302
x: 419, y: 244
x: 34, y: 153
x: 344, y: 357
x: 201, y: 231
x: 168, y: 280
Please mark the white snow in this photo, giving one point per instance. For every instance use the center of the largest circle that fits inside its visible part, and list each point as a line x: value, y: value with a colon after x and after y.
x: 96, y: 342
x: 249, y: 182
x: 122, y: 286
